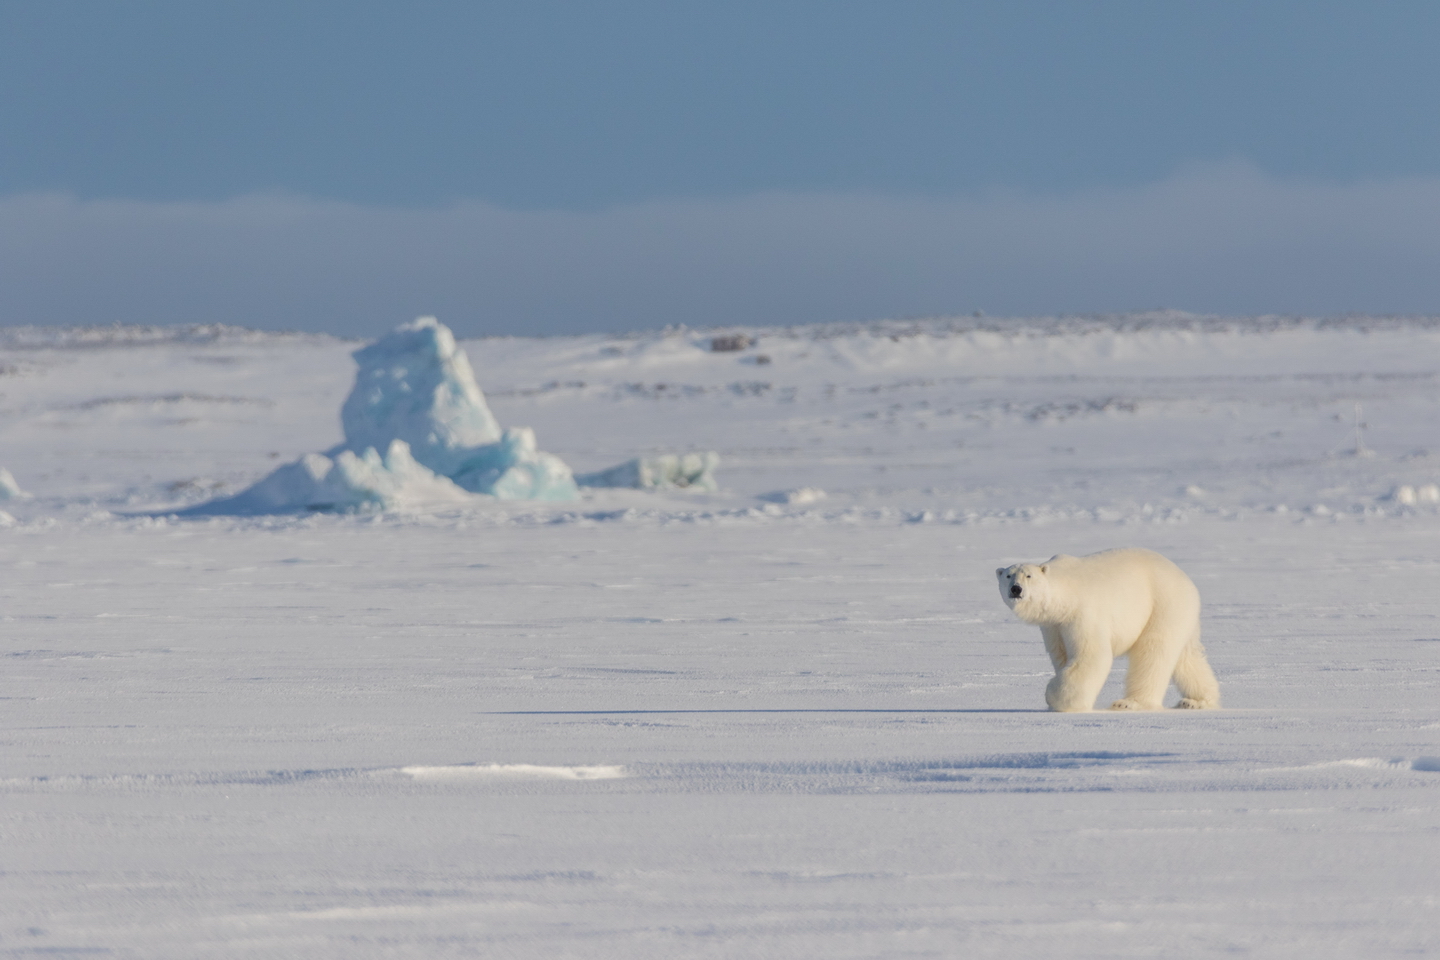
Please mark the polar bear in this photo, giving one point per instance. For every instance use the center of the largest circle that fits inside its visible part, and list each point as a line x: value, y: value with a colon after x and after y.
x: 1127, y: 602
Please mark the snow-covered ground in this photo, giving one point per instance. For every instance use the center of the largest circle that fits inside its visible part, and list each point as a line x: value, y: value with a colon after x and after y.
x: 761, y: 722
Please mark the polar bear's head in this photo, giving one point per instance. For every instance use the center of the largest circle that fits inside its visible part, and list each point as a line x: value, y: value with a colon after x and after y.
x: 1025, y: 589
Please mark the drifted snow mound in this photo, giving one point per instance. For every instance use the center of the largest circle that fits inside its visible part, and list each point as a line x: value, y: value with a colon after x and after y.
x: 798, y: 497
x: 415, y: 398
x: 1408, y: 496
x: 9, y: 489
x: 695, y: 471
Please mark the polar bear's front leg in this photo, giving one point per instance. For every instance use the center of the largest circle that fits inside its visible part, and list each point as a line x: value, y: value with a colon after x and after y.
x: 1055, y: 646
x: 1075, y: 685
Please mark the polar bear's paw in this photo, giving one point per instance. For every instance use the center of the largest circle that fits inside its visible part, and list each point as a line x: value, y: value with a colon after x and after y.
x: 1130, y: 703
x: 1190, y: 703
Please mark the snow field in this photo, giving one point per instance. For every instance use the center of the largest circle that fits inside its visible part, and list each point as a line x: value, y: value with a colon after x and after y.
x: 735, y: 724
x: 822, y: 754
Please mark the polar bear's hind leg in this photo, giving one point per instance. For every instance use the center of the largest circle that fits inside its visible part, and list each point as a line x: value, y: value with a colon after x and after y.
x: 1152, y: 661
x: 1199, y: 690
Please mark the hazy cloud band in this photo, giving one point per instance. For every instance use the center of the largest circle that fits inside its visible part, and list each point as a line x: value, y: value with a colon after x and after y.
x: 1219, y: 239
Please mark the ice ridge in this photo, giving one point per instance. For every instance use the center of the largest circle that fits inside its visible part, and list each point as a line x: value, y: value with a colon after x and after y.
x: 415, y: 398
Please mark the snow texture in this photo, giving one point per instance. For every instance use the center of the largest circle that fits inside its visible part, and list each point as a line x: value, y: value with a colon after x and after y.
x: 731, y: 724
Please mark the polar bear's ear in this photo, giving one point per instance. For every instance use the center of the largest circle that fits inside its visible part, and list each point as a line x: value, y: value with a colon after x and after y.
x: 1044, y: 568
x: 999, y: 571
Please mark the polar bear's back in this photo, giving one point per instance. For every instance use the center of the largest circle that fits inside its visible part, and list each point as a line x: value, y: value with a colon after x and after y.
x: 1133, y: 584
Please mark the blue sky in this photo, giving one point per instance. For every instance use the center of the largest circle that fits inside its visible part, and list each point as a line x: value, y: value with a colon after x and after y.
x: 549, y: 167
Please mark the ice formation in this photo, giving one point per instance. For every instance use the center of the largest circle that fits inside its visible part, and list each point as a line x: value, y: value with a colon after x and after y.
x: 695, y: 471
x: 416, y: 385
x: 9, y: 489
x: 415, y: 398
x: 347, y: 482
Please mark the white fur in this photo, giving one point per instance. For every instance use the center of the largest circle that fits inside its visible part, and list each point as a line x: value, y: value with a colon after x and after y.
x: 1118, y: 603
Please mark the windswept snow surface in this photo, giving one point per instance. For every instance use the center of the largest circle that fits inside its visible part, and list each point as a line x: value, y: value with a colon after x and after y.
x: 760, y: 721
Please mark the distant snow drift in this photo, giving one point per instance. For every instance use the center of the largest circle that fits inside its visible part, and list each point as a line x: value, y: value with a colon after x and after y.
x: 1219, y: 239
x: 515, y: 771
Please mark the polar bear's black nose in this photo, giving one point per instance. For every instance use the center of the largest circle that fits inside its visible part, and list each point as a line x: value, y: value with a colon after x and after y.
x: 1015, y: 590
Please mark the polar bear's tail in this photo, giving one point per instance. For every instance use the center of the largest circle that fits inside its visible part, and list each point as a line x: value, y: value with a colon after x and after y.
x: 1194, y: 679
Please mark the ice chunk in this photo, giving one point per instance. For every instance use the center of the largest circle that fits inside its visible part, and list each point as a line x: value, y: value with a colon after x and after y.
x: 1404, y: 494
x: 9, y: 489
x: 415, y: 397
x: 1430, y: 493
x: 514, y: 470
x: 347, y: 482
x: 695, y: 471
x: 795, y: 497
x: 416, y: 385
